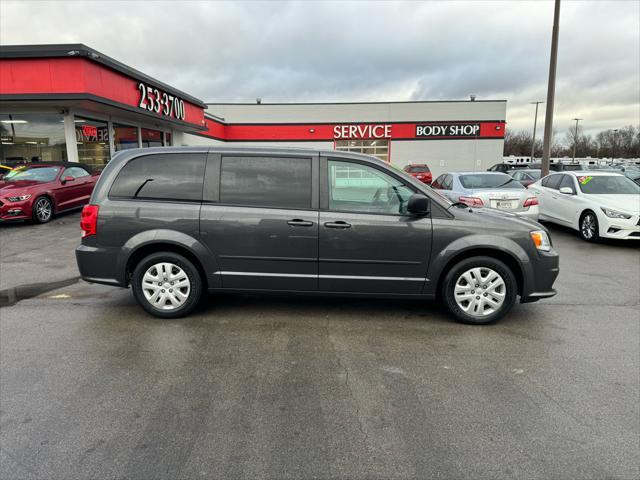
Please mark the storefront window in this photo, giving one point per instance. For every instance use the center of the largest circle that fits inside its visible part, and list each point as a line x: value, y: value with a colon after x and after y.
x: 92, y: 137
x: 378, y: 148
x: 125, y: 137
x: 32, y: 138
x: 168, y: 140
x: 151, y: 138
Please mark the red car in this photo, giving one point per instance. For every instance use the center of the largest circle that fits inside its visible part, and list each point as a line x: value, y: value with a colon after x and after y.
x: 37, y: 191
x: 421, y: 172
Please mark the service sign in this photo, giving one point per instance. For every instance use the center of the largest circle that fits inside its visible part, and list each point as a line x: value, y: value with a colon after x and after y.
x: 361, y: 131
x: 448, y: 130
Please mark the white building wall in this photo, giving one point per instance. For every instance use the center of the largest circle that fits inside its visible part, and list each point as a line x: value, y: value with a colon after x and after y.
x: 440, y: 155
x: 360, y: 112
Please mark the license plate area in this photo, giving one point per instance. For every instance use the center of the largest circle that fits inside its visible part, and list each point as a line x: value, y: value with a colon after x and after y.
x: 503, y: 204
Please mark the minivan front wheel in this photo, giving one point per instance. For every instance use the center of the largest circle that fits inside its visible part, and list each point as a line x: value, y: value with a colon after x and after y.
x: 166, y: 285
x: 479, y: 290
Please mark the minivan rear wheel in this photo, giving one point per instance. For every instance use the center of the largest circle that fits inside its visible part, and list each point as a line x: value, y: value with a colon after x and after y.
x: 166, y: 284
x: 479, y: 290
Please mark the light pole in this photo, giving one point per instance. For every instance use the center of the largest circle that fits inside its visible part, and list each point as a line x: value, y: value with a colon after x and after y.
x: 535, y: 122
x: 615, y: 139
x: 575, y: 139
x: 551, y: 90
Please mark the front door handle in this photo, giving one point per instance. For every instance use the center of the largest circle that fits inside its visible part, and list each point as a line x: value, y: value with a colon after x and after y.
x: 338, y: 224
x: 297, y: 222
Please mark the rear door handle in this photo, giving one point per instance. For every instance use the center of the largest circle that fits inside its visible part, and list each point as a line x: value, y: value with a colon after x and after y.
x: 338, y: 224
x: 297, y: 222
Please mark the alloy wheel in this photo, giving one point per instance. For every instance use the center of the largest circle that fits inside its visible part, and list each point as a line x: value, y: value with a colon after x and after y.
x: 588, y: 227
x: 166, y: 286
x: 480, y: 291
x: 43, y: 210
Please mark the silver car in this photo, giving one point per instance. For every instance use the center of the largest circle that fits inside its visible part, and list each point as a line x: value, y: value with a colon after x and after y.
x: 488, y: 190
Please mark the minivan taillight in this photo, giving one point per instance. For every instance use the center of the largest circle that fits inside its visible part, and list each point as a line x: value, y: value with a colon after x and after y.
x: 530, y: 202
x: 89, y: 220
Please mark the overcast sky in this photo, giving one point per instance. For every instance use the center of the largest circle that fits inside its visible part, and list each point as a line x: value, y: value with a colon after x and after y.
x: 364, y: 51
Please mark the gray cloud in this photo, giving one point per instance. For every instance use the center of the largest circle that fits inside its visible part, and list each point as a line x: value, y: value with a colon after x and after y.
x: 356, y: 51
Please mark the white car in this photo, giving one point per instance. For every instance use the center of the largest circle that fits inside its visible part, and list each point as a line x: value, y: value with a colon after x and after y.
x: 597, y: 204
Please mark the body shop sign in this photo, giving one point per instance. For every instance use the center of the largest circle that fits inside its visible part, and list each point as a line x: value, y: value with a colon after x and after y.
x: 448, y: 130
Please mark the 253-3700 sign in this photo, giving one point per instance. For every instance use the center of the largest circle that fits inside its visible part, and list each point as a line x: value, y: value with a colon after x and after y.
x: 160, y: 102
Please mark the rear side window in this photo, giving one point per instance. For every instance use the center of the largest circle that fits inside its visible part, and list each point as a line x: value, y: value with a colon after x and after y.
x: 161, y: 177
x: 552, y: 181
x: 437, y: 183
x: 266, y: 182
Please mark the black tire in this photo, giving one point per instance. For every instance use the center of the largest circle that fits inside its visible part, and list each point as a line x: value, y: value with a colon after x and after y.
x: 41, y: 205
x: 194, y: 289
x: 510, y: 290
x: 589, y: 228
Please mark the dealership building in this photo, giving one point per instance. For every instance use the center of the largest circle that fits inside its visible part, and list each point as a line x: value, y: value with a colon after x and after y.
x: 72, y: 103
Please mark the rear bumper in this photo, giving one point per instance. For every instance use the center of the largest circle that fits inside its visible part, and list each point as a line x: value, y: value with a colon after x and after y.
x: 98, y: 265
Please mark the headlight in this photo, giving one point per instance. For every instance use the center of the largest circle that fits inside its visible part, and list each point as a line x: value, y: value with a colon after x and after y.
x: 20, y: 198
x: 541, y: 240
x: 614, y: 213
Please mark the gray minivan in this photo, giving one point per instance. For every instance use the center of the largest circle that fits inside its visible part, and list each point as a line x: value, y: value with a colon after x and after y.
x: 173, y: 222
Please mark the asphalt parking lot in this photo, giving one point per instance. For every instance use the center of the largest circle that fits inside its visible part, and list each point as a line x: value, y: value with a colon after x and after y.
x: 252, y: 387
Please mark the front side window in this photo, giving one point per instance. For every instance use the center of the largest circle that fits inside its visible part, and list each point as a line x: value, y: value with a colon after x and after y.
x: 567, y: 181
x: 161, y: 177
x: 355, y: 187
x: 607, y: 185
x: 552, y: 181
x: 266, y: 182
x: 75, y: 172
x: 447, y: 183
x: 32, y: 138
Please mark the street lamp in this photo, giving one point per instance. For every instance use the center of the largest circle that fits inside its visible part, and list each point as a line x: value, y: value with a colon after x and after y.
x: 535, y: 122
x: 575, y: 138
x: 615, y: 139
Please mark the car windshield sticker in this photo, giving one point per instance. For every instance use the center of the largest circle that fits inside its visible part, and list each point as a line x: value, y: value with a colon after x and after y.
x: 584, y: 180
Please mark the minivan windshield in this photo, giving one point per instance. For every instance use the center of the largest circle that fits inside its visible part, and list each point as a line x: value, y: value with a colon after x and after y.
x: 607, y: 185
x: 39, y: 174
x: 476, y: 181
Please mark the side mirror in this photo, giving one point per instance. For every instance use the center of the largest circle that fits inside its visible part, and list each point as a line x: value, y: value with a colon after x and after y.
x: 566, y: 190
x: 418, y: 204
x: 67, y: 179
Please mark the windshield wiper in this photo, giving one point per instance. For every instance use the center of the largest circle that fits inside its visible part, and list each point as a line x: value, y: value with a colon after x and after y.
x: 142, y: 186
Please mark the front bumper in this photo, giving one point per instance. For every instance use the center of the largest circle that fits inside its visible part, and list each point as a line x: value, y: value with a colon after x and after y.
x: 15, y: 210
x: 542, y: 275
x: 619, y: 228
